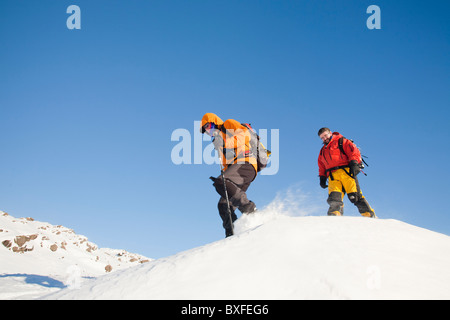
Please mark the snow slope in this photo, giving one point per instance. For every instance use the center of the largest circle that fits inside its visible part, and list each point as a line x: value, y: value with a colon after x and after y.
x: 275, y: 256
x: 37, y: 258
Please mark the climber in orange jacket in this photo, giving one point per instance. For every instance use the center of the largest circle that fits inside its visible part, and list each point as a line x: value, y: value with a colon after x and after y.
x: 232, y: 142
x: 339, y: 163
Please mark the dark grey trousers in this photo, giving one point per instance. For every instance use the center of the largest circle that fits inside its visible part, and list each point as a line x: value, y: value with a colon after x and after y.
x: 238, y: 178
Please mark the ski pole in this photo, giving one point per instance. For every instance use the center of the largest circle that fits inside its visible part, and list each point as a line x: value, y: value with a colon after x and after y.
x: 226, y: 197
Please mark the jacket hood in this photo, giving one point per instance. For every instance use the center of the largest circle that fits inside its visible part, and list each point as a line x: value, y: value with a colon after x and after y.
x: 210, y: 117
x: 336, y: 135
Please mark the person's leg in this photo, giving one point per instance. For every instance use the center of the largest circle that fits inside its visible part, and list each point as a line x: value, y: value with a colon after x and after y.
x: 225, y: 216
x: 237, y: 178
x: 355, y: 195
x: 335, y: 197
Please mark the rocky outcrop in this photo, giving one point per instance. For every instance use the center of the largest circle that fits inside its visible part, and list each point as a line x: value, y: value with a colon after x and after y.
x: 25, y: 236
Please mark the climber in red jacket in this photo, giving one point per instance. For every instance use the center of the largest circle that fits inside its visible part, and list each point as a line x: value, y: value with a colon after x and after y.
x: 339, y: 163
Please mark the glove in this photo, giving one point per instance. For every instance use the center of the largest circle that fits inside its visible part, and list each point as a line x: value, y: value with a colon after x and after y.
x: 354, y: 168
x: 323, y: 182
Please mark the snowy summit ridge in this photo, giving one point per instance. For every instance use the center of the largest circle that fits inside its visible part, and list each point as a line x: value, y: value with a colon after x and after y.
x: 275, y: 256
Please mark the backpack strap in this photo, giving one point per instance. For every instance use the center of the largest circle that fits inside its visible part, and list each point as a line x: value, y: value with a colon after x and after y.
x: 341, y: 145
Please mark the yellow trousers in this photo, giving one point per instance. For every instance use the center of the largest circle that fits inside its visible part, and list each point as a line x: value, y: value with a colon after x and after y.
x: 339, y: 183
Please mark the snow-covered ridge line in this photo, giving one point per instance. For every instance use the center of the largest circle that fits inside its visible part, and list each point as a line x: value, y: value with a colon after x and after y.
x: 272, y: 256
x: 288, y: 257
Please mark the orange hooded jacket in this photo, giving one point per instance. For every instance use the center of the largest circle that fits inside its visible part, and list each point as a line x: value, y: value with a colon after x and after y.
x: 232, y: 141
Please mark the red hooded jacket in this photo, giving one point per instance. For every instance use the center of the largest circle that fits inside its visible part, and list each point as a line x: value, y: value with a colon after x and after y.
x: 331, y: 156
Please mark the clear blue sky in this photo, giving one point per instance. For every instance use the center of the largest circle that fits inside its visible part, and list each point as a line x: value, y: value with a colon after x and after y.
x: 87, y: 115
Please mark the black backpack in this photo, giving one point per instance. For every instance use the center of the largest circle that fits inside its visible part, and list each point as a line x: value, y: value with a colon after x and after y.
x: 362, y: 162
